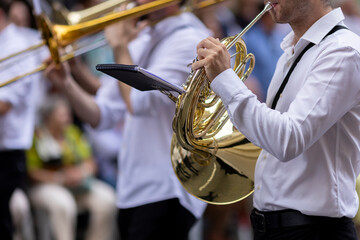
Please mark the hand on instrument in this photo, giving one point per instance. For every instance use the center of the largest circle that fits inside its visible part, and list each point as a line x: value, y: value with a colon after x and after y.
x: 121, y: 33
x: 213, y: 56
x: 58, y: 74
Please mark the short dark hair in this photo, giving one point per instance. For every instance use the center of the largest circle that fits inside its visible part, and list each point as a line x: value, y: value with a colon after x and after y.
x: 5, y: 5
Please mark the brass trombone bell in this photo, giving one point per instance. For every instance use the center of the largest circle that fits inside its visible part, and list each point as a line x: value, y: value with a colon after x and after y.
x: 56, y: 36
x: 65, y: 17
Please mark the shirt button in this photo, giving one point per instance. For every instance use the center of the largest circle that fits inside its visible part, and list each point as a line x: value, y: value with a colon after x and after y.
x: 258, y: 188
x: 264, y: 157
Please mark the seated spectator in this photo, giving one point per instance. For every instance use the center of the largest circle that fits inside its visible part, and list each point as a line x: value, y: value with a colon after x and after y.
x: 62, y: 170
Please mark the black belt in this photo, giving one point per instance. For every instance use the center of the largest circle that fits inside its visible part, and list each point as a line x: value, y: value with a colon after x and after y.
x: 264, y: 221
x: 11, y: 153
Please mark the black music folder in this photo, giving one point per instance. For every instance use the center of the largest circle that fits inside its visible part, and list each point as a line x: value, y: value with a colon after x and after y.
x: 138, y: 77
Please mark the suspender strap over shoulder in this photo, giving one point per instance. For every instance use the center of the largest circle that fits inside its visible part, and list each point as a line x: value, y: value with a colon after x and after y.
x: 286, y: 79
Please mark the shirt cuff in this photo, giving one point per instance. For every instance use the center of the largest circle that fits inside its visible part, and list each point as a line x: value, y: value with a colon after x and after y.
x: 10, y: 98
x: 105, y: 120
x: 226, y: 85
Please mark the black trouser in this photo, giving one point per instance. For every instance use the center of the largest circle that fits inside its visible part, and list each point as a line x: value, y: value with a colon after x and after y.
x: 292, y: 225
x: 160, y: 220
x: 12, y: 176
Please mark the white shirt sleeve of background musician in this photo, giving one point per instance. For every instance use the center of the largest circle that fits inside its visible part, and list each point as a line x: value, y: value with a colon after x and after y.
x: 111, y: 104
x: 331, y: 89
x: 16, y: 93
x: 19, y: 92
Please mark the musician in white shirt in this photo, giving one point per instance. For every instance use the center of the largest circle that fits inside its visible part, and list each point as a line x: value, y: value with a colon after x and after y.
x: 152, y: 202
x: 17, y: 111
x: 305, y: 175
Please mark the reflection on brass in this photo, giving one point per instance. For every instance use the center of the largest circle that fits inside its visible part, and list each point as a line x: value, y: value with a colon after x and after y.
x: 64, y: 16
x: 213, y: 161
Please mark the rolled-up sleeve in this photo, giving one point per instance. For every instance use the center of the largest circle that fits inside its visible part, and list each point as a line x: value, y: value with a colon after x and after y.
x: 111, y: 105
x: 330, y: 90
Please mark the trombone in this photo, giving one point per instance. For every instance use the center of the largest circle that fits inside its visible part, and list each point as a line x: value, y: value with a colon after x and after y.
x: 56, y: 36
x: 64, y: 16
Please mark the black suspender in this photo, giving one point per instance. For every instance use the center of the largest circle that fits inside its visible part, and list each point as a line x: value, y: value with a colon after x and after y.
x: 285, y: 81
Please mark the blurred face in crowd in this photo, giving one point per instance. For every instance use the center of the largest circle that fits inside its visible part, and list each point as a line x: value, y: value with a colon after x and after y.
x: 19, y: 14
x: 60, y: 116
x: 3, y: 14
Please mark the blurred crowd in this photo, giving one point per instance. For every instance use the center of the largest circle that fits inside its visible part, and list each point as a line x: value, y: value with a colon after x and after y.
x: 72, y: 168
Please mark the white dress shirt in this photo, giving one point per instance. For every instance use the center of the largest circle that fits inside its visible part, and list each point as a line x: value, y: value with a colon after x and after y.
x: 17, y: 125
x: 145, y: 171
x: 311, y: 142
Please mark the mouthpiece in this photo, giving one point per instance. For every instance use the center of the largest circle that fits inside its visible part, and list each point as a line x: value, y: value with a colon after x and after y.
x: 268, y: 6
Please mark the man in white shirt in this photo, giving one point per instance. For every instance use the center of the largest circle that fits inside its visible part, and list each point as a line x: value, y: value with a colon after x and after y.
x: 305, y: 175
x: 152, y: 202
x: 17, y: 112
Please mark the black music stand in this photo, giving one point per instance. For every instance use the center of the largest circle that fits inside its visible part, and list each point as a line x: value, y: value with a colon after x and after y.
x: 138, y: 77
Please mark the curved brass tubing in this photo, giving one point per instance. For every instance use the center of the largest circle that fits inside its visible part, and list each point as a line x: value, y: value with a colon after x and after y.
x: 211, y: 158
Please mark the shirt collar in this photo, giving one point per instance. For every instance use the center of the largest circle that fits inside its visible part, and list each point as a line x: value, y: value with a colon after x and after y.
x: 315, y: 33
x: 323, y: 26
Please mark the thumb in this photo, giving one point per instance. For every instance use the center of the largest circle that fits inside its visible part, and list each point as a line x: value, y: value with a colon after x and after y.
x: 50, y: 67
x: 142, y: 25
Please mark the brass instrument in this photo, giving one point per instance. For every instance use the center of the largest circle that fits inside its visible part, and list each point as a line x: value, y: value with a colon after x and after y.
x: 56, y: 36
x: 64, y: 16
x: 213, y: 161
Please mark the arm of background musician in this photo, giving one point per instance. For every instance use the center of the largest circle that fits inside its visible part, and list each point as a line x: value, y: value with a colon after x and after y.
x: 83, y: 103
x: 83, y: 76
x: 112, y: 106
x: 119, y: 35
x: 330, y: 95
x: 4, y: 107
